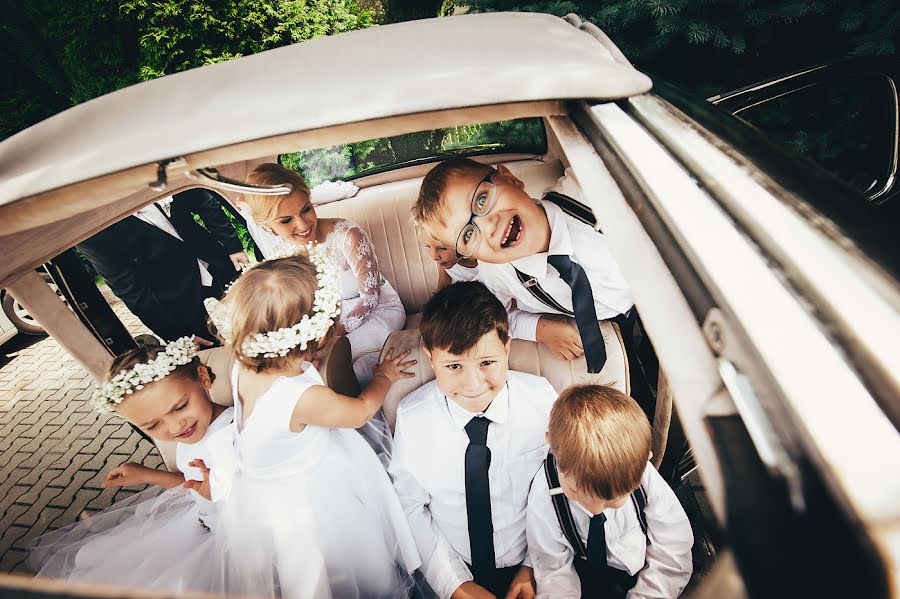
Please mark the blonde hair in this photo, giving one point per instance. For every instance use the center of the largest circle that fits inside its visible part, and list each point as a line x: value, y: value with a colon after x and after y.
x: 273, y: 295
x: 600, y: 438
x: 265, y: 208
x: 429, y: 204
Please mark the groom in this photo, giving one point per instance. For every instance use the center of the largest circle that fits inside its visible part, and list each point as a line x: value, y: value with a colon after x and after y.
x: 163, y: 264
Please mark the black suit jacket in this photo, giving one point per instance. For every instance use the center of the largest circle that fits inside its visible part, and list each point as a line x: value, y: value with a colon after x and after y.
x: 156, y: 275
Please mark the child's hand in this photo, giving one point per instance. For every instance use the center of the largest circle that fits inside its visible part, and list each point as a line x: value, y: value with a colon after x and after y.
x: 126, y: 475
x: 522, y: 585
x: 392, y: 368
x: 561, y: 336
x: 202, y: 488
x: 472, y: 590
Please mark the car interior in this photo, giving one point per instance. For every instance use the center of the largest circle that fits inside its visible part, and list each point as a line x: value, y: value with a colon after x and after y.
x: 382, y: 206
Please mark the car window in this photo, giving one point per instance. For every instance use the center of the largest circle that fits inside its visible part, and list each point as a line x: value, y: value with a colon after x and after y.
x: 847, y: 125
x: 375, y: 155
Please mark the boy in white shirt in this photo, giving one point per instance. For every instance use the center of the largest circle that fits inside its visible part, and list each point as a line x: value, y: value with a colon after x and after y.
x: 546, y: 255
x: 466, y: 447
x: 602, y: 523
x: 558, y: 333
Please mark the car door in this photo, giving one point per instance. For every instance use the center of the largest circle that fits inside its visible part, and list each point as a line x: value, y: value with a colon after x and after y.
x: 842, y: 115
x: 774, y: 328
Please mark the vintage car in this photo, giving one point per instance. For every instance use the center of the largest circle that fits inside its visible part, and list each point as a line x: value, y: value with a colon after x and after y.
x: 768, y: 288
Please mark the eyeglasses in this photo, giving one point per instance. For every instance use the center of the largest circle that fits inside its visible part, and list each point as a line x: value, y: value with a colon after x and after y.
x: 482, y: 202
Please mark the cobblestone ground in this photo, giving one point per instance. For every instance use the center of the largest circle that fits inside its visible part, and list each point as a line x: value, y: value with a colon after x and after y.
x: 54, y: 450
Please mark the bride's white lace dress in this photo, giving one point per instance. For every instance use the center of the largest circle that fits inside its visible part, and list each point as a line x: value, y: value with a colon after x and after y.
x: 370, y: 308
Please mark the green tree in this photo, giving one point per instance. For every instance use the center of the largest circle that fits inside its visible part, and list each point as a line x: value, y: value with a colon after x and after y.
x: 177, y: 35
x: 709, y: 46
x: 58, y: 53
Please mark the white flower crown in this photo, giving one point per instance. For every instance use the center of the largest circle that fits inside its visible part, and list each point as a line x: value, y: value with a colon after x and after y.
x: 326, y: 308
x: 112, y: 392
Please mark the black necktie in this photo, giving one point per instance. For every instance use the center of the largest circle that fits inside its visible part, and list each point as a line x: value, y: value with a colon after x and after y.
x: 478, y: 496
x: 596, y: 544
x: 585, y: 313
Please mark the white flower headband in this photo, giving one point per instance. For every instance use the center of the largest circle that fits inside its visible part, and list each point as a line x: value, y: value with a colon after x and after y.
x: 326, y: 308
x: 111, y: 393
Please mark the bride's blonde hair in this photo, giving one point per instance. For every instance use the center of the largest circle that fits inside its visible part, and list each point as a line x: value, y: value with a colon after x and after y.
x: 264, y: 208
x: 274, y: 294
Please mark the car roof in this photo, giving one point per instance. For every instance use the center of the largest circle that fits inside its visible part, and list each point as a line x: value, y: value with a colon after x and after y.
x: 401, y: 69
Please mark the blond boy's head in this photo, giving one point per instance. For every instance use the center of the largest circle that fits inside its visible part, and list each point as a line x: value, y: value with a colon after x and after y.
x: 481, y: 212
x: 600, y: 438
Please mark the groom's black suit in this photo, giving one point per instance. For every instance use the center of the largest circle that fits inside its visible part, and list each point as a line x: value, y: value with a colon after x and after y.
x: 156, y: 275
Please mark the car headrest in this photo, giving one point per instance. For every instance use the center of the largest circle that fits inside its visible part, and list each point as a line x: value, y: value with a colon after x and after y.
x: 335, y: 367
x: 524, y: 356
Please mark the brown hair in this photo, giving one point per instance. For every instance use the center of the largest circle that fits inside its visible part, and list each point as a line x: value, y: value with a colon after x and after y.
x: 264, y: 208
x: 430, y: 201
x: 600, y: 438
x: 457, y: 316
x: 273, y: 295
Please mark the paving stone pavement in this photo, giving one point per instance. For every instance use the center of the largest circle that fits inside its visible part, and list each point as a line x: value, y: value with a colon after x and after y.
x: 54, y: 450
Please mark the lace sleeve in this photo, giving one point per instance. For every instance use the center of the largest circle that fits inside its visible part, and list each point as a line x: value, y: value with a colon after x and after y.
x: 359, y: 252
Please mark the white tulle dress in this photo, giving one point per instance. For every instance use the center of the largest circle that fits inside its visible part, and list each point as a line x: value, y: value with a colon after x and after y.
x: 156, y: 539
x: 370, y: 309
x: 308, y: 515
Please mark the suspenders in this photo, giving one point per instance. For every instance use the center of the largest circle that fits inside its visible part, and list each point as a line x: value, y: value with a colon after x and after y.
x: 577, y: 210
x: 564, y: 510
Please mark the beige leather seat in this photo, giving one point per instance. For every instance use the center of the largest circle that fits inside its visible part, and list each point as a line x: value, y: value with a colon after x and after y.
x: 335, y: 368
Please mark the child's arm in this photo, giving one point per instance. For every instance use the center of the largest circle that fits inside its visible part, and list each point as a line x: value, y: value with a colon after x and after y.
x: 444, y: 569
x: 550, y: 554
x: 134, y: 474
x: 669, y: 565
x: 323, y: 407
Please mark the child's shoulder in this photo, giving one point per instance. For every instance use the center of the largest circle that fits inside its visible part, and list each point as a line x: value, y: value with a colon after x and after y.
x: 532, y: 383
x: 419, y: 401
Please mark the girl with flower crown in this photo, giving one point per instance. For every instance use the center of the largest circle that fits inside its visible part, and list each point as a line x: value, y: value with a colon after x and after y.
x: 308, y: 511
x: 371, y: 310
x: 159, y: 538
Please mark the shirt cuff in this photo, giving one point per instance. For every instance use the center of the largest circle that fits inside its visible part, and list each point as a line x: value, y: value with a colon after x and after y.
x: 523, y: 325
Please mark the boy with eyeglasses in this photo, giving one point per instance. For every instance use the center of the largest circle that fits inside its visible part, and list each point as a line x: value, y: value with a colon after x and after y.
x: 541, y: 255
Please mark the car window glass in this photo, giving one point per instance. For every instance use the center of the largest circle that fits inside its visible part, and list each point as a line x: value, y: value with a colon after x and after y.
x: 375, y: 155
x: 847, y: 125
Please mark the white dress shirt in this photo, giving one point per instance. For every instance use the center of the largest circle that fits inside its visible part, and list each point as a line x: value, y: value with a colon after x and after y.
x: 154, y: 215
x: 570, y: 237
x: 458, y: 273
x: 428, y: 467
x: 667, y: 556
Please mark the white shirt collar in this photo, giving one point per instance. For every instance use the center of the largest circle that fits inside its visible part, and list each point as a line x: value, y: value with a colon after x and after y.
x: 497, y: 412
x: 535, y: 265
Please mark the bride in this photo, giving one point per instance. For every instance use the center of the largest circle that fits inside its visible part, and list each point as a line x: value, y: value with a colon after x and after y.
x: 370, y: 308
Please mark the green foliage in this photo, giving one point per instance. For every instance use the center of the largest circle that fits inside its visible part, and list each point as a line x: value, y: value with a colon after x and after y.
x: 58, y: 53
x: 177, y: 35
x: 710, y: 46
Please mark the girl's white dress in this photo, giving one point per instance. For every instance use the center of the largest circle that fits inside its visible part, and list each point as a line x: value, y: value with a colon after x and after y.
x: 370, y: 308
x: 308, y: 515
x: 156, y: 539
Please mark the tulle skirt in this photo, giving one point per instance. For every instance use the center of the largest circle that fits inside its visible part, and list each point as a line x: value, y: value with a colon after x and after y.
x: 331, y: 528
x: 155, y: 539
